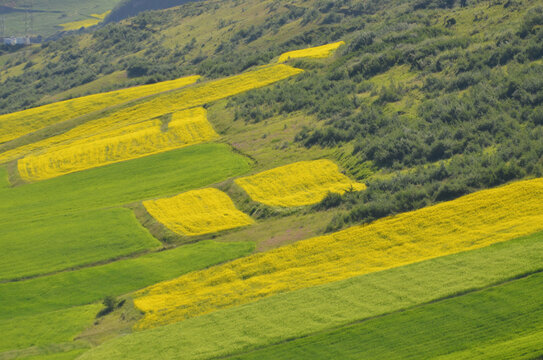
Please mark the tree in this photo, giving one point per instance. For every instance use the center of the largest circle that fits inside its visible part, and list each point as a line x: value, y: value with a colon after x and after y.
x: 109, y: 303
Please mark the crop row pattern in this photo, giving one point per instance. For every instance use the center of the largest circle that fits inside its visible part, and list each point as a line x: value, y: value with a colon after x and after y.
x: 301, y: 183
x: 186, y: 127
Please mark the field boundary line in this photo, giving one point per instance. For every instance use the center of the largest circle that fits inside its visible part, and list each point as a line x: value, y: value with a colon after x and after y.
x: 134, y: 255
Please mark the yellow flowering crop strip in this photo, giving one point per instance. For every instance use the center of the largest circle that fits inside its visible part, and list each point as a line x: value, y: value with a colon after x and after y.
x: 470, y: 222
x: 323, y: 51
x: 186, y: 127
x: 196, y: 95
x: 22, y: 122
x: 298, y: 184
x: 198, y: 212
x: 76, y: 25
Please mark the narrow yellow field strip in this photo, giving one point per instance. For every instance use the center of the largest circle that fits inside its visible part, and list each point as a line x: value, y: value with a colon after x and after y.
x: 470, y: 222
x: 76, y: 25
x: 298, y: 184
x: 314, y: 52
x: 196, y: 95
x: 20, y: 123
x: 198, y: 212
x: 186, y: 127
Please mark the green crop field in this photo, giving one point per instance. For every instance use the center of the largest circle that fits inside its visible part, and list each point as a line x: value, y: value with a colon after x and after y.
x: 54, y: 314
x: 49, y: 244
x: 92, y: 284
x: 4, y: 183
x: 483, y: 319
x: 21, y: 332
x: 304, y: 312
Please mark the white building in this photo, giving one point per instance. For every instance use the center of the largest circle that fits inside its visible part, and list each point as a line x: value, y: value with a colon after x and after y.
x: 17, y: 41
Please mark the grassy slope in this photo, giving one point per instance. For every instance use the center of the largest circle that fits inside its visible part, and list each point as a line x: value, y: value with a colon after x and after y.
x: 55, y: 243
x: 271, y: 142
x: 303, y: 312
x: 115, y: 79
x: 92, y: 284
x: 493, y: 315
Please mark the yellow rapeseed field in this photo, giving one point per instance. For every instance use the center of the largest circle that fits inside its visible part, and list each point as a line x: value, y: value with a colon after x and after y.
x: 196, y: 95
x: 22, y: 122
x: 197, y: 212
x: 76, y: 25
x: 314, y: 52
x: 186, y: 127
x: 298, y: 184
x: 470, y: 222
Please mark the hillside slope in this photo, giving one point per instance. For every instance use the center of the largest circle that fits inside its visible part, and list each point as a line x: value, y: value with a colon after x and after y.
x: 276, y: 179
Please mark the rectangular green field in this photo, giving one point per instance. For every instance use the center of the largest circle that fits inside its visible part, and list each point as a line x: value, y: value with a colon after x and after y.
x: 88, y: 285
x: 49, y: 244
x: 301, y: 313
x: 4, y: 183
x: 60, y: 326
x: 496, y: 315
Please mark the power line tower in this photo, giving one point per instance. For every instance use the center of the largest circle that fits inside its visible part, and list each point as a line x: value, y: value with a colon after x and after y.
x: 31, y: 17
x: 28, y: 6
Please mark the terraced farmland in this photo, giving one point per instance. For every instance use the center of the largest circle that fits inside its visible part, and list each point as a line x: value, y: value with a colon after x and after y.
x: 171, y: 102
x: 95, y: 19
x: 185, y: 128
x: 307, y: 311
x: 297, y: 184
x: 314, y: 52
x: 382, y: 199
x: 164, y: 174
x: 20, y: 123
x: 77, y: 242
x: 467, y: 223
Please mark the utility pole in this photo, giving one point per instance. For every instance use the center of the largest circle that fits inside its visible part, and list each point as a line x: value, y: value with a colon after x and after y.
x: 2, y: 23
x: 27, y: 20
